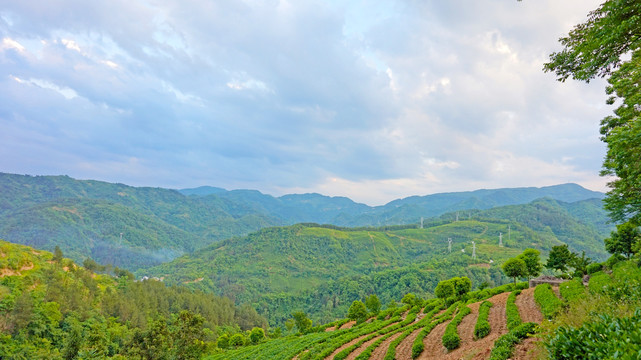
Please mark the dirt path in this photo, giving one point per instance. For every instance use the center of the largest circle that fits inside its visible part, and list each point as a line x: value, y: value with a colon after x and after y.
x: 362, y: 348
x: 529, y: 349
x: 348, y: 325
x: 470, y: 349
x: 404, y: 349
x: 466, y: 332
x: 345, y: 346
x: 528, y: 309
x: 381, y: 350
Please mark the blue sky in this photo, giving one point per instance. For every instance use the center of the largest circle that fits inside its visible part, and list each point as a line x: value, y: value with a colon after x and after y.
x: 374, y: 100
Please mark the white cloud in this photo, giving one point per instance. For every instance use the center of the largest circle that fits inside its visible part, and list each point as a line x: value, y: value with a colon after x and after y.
x: 389, y: 99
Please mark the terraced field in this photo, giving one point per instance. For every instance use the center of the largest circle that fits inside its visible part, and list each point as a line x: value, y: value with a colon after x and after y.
x: 410, y: 333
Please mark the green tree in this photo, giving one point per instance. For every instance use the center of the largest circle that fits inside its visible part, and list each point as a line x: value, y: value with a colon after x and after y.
x: 237, y: 340
x: 623, y: 240
x: 303, y: 323
x: 462, y: 285
x: 580, y: 263
x: 409, y: 299
x: 514, y: 268
x: 357, y: 311
x: 188, y: 336
x: 444, y: 289
x: 608, y: 45
x: 373, y: 304
x: 256, y: 335
x: 57, y: 254
x: 560, y: 257
x: 223, y: 341
x: 532, y: 260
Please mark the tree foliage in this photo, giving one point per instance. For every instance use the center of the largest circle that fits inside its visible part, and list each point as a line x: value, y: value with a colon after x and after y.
x: 514, y: 268
x: 560, y: 257
x: 357, y: 311
x: 623, y: 240
x: 596, y: 48
x: 373, y: 304
x: 532, y: 260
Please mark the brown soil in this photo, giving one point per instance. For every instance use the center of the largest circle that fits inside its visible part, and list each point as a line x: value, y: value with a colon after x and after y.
x: 528, y: 309
x: 345, y: 346
x: 348, y: 325
x: 381, y: 350
x: 8, y: 272
x: 433, y: 344
x: 362, y: 348
x: 529, y: 349
x: 331, y: 328
x: 470, y: 349
x: 404, y: 349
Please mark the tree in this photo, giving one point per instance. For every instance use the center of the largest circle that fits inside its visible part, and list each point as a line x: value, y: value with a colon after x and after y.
x: 532, y: 260
x: 256, y: 335
x: 597, y: 48
x: 444, y: 289
x: 223, y: 341
x: 580, y: 263
x: 303, y: 323
x: 57, y: 254
x: 188, y: 336
x: 237, y: 340
x: 409, y: 299
x: 560, y: 257
x: 514, y: 268
x: 373, y: 304
x: 462, y: 285
x: 357, y: 312
x: 623, y: 240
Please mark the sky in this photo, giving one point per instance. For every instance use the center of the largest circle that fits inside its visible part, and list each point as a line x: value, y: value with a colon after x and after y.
x: 373, y: 100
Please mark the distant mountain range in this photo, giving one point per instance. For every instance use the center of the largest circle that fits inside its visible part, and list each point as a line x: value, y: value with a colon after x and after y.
x: 342, y: 211
x: 86, y: 218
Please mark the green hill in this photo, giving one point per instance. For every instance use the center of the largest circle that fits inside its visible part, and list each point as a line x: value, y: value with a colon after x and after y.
x: 85, y: 218
x: 51, y: 308
x: 322, y: 269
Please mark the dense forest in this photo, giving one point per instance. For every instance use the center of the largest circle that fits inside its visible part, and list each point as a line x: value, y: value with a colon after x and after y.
x: 51, y: 308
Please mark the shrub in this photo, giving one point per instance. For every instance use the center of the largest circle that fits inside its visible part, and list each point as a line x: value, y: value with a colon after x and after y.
x: 504, y: 345
x: 482, y: 328
x: 451, y: 339
x: 593, y: 268
x: 599, y: 282
x: 237, y: 340
x: 223, y: 341
x: 547, y: 300
x: 605, y: 338
x: 572, y: 290
x: 357, y: 311
x: 256, y: 335
x: 512, y: 311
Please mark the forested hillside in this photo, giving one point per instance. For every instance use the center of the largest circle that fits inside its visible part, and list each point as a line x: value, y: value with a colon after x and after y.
x: 86, y: 218
x: 322, y: 269
x: 51, y: 308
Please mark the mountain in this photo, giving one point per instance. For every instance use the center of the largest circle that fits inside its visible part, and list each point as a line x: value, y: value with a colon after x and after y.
x: 85, y: 217
x: 322, y: 269
x: 342, y: 211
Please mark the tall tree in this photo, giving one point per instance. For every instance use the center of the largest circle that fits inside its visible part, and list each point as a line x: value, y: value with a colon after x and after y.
x: 599, y: 47
x: 532, y: 260
x: 514, y: 268
x: 560, y: 257
x: 373, y: 304
x: 623, y: 240
x: 357, y: 312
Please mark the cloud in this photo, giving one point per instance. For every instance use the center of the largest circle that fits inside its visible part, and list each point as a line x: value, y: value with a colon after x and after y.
x: 375, y: 101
